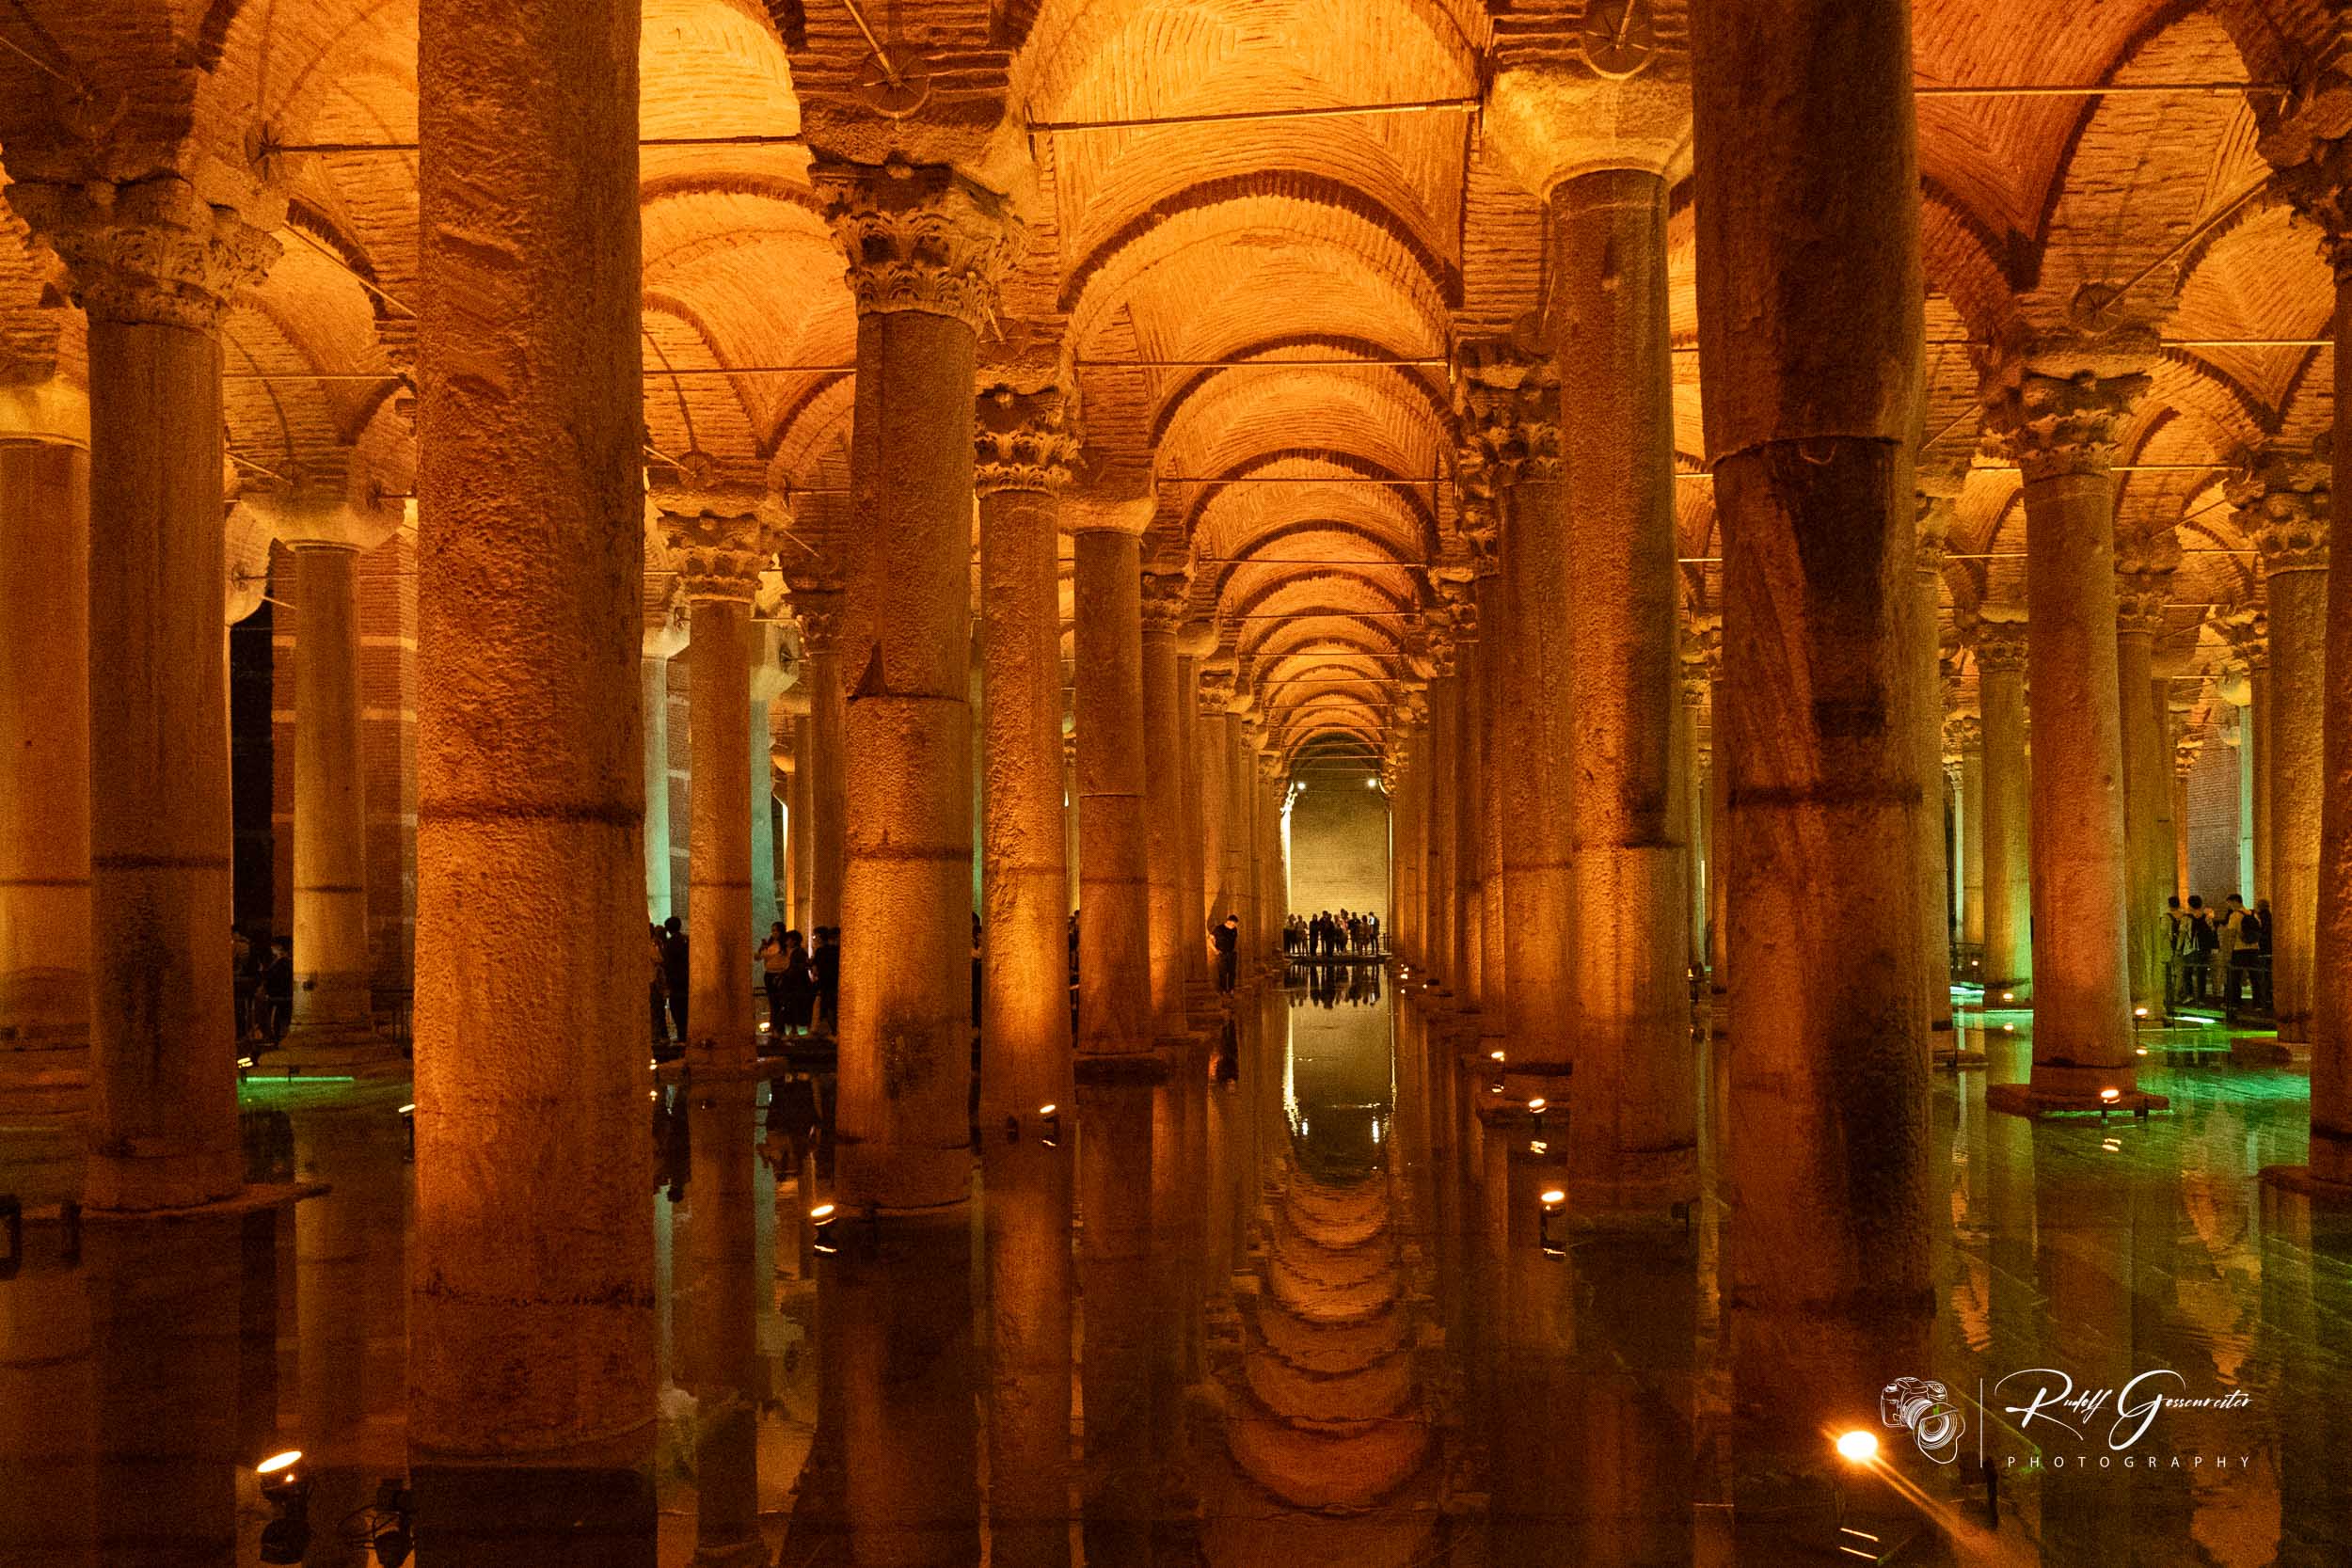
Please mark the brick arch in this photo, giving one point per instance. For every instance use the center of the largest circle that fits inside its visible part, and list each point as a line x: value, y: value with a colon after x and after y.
x: 1311, y: 211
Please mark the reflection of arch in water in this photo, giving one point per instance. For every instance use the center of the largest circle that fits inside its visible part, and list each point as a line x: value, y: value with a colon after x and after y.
x: 1327, y: 1426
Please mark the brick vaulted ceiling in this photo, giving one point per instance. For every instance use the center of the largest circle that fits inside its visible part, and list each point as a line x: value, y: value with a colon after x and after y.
x: 1155, y: 248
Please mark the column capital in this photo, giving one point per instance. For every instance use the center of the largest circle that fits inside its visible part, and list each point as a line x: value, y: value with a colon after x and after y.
x: 1216, y: 692
x: 1506, y: 415
x: 2282, y: 502
x: 150, y: 253
x: 1482, y: 527
x: 2185, y: 753
x: 1102, y: 515
x: 2311, y: 147
x: 1165, y: 595
x: 817, y: 608
x: 721, y: 538
x: 1963, y: 732
x: 1023, y: 440
x: 2246, y: 630
x: 2055, y: 408
x: 1999, y: 644
x: 1702, y: 654
x: 920, y: 237
x: 2141, y: 597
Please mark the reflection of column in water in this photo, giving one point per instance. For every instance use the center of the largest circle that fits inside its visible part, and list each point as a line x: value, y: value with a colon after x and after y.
x: 2084, y: 1238
x: 333, y: 1241
x: 1115, y: 1279
x: 164, y: 1316
x: 1026, y: 1212
x: 718, y: 1337
x: 49, y: 1500
x: 2306, y: 1257
x: 896, y: 1343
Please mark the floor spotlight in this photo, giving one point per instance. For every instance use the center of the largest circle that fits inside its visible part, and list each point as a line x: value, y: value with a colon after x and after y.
x: 1049, y: 1125
x: 820, y: 1220
x: 287, y: 1536
x: 1858, y: 1447
x: 1549, y: 1202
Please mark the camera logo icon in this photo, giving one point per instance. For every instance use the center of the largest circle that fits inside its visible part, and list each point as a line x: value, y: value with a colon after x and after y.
x: 1924, y: 1408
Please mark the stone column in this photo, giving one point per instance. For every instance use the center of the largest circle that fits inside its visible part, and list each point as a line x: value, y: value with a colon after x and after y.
x: 1468, y: 967
x: 1698, y: 869
x: 802, y: 808
x: 2247, y: 633
x: 2284, y: 506
x: 1965, y: 733
x: 1635, y: 1089
x: 2312, y: 913
x: 2141, y: 595
x: 1811, y: 348
x: 1164, y: 704
x: 1240, y: 827
x: 2006, y: 832
x: 1506, y: 409
x: 530, y: 945
x: 1069, y: 812
x: 1407, y: 828
x: 44, y: 755
x: 1194, y: 642
x: 1440, y: 898
x: 2055, y: 411
x: 925, y: 246
x: 1718, y: 843
x: 333, y: 1026
x: 1114, y: 922
x: 1214, y: 687
x: 817, y: 608
x: 720, y: 540
x: 2183, y: 763
x: 1493, y: 653
x: 1024, y: 447
x: 1936, y: 494
x: 662, y: 638
x: 153, y: 265
x: 767, y: 680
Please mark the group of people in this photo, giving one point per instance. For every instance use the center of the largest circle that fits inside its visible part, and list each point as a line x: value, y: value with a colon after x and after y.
x: 2218, y: 954
x: 803, y: 982
x: 1331, y: 936
x: 265, y: 984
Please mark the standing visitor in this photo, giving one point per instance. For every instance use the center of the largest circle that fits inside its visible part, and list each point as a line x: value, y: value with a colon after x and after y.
x: 1227, y: 940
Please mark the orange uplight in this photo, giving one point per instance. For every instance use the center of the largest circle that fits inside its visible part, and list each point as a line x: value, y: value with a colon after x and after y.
x: 1537, y: 1104
x: 1553, y: 1197
x: 1857, y: 1446
x: 2111, y: 1096
x: 821, y: 1212
x: 277, y: 1462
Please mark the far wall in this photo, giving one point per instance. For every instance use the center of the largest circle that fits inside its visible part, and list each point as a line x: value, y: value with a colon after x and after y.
x: 1339, y: 849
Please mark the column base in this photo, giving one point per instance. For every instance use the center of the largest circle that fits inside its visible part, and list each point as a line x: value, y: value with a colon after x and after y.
x: 2260, y: 1051
x: 1121, y: 1067
x: 742, y: 1554
x: 491, y: 1516
x: 332, y: 1049
x: 39, y: 1078
x: 244, y: 1201
x: 2305, y: 1182
x: 1650, y: 1188
x: 1950, y: 1055
x: 2073, y: 1091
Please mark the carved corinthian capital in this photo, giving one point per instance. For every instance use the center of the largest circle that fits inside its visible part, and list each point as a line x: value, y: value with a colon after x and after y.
x: 2056, y: 410
x: 1163, y: 601
x: 2000, y: 646
x: 2310, y: 146
x: 152, y: 253
x: 920, y: 237
x: 720, y: 537
x: 2282, y: 504
x: 1021, y: 440
x: 818, y: 609
x: 1962, y: 732
x: 1506, y: 416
